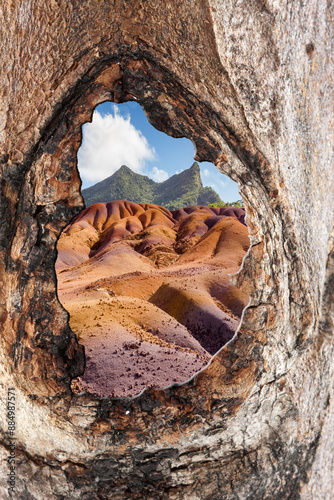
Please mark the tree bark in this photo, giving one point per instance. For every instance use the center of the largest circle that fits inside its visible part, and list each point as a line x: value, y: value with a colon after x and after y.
x: 250, y: 83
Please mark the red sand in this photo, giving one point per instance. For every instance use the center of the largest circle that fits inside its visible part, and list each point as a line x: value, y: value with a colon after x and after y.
x: 148, y: 291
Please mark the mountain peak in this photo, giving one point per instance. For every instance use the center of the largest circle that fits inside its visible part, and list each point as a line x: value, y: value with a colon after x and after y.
x: 195, y: 166
x: 180, y: 190
x: 125, y: 168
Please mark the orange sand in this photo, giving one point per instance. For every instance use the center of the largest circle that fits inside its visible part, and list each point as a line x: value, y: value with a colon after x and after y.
x: 148, y: 291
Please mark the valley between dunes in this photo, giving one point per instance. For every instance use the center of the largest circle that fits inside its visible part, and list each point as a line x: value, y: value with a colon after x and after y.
x: 148, y: 291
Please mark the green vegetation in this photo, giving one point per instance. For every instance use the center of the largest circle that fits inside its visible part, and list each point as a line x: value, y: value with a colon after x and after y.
x: 239, y: 204
x: 122, y: 185
x: 180, y: 190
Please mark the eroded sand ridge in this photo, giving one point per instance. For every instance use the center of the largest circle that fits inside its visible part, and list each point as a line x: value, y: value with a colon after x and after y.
x: 148, y: 291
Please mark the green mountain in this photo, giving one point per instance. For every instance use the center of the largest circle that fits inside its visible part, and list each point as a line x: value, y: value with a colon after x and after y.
x: 180, y: 190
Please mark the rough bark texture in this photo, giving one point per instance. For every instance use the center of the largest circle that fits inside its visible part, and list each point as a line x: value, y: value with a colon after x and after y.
x: 250, y: 83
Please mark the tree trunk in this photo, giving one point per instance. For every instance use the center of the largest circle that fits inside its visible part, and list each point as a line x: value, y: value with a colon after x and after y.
x: 250, y: 83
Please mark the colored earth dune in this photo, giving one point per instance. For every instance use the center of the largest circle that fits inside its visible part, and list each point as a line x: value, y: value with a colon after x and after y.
x: 148, y: 291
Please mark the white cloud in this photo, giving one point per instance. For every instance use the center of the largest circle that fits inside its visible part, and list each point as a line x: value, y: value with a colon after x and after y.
x: 111, y: 141
x: 158, y: 175
x: 206, y: 172
x: 224, y: 183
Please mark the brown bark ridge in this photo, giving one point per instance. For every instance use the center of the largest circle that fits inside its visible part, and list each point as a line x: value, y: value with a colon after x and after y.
x: 250, y: 83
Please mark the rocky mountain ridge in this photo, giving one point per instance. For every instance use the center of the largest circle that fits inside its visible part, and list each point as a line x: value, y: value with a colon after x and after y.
x: 180, y: 190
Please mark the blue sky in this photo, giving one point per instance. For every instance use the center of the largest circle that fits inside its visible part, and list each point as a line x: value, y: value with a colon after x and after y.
x: 121, y: 134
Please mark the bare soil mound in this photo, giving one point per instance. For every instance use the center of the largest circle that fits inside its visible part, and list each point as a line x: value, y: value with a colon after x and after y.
x: 148, y: 291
